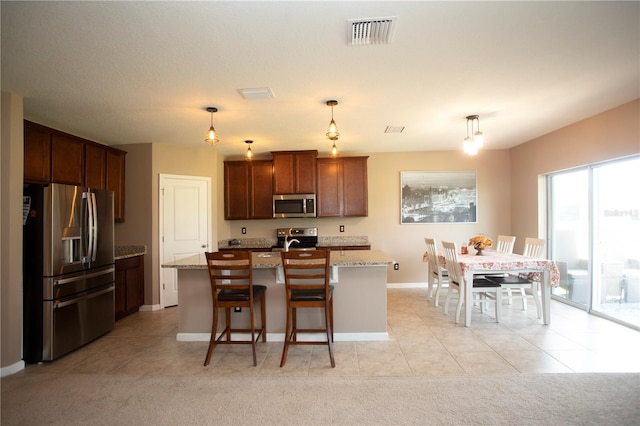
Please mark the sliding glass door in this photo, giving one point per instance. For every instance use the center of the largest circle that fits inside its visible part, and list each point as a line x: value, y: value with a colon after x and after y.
x: 594, y: 234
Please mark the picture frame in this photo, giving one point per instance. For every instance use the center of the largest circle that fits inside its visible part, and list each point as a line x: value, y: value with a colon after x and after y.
x: 438, y: 197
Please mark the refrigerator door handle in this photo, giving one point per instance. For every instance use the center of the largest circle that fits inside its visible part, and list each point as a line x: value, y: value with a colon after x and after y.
x: 93, y: 236
x: 84, y: 228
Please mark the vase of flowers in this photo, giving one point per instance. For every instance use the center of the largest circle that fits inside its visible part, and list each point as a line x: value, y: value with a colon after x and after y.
x: 480, y: 242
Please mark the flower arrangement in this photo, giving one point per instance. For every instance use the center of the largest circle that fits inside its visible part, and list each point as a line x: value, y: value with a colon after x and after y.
x: 480, y: 242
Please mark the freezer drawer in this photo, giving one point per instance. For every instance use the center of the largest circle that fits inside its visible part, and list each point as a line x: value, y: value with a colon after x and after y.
x: 65, y: 286
x: 71, y: 323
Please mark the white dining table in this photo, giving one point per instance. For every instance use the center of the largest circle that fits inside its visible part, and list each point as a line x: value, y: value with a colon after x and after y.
x: 543, y: 270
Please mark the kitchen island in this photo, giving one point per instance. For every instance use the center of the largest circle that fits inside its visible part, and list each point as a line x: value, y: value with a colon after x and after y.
x: 360, y: 296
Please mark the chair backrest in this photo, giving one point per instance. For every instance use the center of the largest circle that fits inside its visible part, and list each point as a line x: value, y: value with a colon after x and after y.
x: 230, y: 270
x: 432, y: 255
x: 533, y: 247
x: 306, y: 270
x: 453, y: 266
x: 505, y: 243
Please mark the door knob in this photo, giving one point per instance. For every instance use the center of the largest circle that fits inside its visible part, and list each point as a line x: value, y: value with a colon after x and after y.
x: 204, y: 246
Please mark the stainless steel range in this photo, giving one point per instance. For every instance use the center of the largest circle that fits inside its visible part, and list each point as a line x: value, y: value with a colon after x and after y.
x: 296, y: 239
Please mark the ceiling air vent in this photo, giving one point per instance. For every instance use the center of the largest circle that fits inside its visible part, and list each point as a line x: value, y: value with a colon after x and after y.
x: 394, y: 129
x: 371, y: 30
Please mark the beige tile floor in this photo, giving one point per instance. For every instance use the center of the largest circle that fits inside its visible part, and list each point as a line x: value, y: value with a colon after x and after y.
x: 423, y: 341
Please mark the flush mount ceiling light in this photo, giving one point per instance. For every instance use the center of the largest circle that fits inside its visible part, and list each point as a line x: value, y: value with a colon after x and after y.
x: 332, y: 131
x: 212, y: 135
x: 249, y: 153
x: 475, y: 139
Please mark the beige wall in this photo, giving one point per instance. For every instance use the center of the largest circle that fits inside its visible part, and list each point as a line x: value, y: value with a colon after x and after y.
x: 609, y: 135
x: 11, y: 172
x: 144, y: 164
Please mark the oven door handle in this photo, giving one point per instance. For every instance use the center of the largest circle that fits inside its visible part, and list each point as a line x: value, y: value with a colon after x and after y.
x: 85, y: 297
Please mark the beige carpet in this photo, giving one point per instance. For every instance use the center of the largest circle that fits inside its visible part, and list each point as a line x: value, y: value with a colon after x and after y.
x: 555, y: 399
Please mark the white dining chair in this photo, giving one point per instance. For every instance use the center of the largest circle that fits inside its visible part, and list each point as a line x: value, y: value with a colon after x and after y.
x: 532, y: 248
x: 438, y: 276
x: 505, y: 243
x: 485, y: 288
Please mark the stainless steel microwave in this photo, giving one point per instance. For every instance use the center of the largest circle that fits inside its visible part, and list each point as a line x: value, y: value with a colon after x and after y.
x: 294, y: 205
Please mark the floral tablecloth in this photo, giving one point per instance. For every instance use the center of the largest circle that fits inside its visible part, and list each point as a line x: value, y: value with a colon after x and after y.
x: 492, y: 260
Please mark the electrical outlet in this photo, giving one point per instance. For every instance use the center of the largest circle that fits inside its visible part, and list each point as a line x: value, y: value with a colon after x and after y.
x: 341, y: 228
x: 396, y: 266
x: 237, y: 309
x: 244, y: 230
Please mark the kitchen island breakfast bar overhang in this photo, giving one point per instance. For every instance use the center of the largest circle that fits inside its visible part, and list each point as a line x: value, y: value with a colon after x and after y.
x: 360, y: 296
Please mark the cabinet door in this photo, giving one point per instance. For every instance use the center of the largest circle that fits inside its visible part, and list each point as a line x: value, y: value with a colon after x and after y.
x: 135, y: 285
x: 305, y: 172
x: 115, y: 180
x: 329, y: 196
x: 37, y: 153
x: 236, y: 190
x: 294, y: 172
x: 95, y: 161
x: 261, y: 189
x: 120, y: 293
x: 67, y: 159
x: 283, y: 173
x: 355, y: 188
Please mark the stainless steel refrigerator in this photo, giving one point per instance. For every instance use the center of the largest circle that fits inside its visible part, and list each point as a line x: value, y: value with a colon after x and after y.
x: 68, y: 268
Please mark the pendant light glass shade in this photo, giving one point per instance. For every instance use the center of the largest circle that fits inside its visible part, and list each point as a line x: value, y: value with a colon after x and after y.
x: 212, y: 135
x: 334, y: 150
x: 332, y: 131
x: 474, y: 140
x: 249, y: 154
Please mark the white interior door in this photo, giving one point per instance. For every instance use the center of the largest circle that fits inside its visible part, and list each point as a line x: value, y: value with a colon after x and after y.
x: 185, y: 226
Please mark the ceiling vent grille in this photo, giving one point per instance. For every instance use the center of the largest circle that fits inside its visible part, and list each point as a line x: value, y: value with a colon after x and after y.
x: 371, y: 30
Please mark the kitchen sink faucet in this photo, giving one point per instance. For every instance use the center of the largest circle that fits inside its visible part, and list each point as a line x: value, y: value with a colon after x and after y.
x: 288, y: 242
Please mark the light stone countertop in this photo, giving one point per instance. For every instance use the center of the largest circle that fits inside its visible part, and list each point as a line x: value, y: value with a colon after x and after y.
x: 268, y: 260
x: 266, y: 243
x: 123, y: 252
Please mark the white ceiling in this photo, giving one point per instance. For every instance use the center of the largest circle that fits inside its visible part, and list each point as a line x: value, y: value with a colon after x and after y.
x: 140, y: 72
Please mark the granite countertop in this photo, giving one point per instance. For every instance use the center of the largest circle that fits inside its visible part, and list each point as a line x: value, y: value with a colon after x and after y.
x: 267, y: 243
x: 268, y: 260
x: 123, y: 252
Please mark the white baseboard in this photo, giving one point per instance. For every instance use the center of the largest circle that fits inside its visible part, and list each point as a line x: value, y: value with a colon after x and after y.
x: 149, y: 308
x: 279, y: 337
x: 407, y: 285
x: 12, y: 369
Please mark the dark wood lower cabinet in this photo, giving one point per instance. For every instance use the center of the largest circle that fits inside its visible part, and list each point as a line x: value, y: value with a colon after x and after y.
x: 129, y: 286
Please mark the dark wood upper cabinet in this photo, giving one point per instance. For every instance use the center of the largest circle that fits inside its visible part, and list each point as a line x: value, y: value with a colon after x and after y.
x: 342, y: 187
x: 236, y: 190
x: 294, y: 172
x: 67, y: 159
x: 95, y: 163
x: 37, y: 153
x: 261, y: 189
x: 329, y: 196
x: 115, y: 179
x: 52, y: 156
x: 248, y: 189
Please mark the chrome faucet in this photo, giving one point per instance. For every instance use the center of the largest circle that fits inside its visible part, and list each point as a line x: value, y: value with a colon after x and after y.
x: 288, y: 242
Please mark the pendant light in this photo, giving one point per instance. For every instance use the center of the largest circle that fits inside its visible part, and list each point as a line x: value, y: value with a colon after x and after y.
x: 332, y: 131
x: 474, y: 139
x: 212, y: 135
x: 334, y: 150
x: 249, y: 154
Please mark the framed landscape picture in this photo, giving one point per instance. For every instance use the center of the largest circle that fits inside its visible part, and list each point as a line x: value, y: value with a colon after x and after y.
x: 438, y: 197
